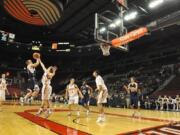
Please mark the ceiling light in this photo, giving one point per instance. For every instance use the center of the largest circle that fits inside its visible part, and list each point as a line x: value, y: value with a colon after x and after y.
x: 112, y: 25
x: 102, y: 30
x: 117, y: 22
x: 155, y: 3
x: 130, y: 16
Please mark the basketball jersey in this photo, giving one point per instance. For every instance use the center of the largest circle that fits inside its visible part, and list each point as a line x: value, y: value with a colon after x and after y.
x: 132, y: 87
x: 170, y: 100
x: 2, y: 84
x: 100, y: 82
x: 72, y: 90
x: 31, y: 72
x: 177, y: 99
x: 85, y: 90
x: 160, y: 99
x: 165, y: 99
x: 45, y: 80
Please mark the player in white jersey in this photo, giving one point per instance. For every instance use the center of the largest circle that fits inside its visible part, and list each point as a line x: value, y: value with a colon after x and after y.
x: 72, y: 94
x: 46, y: 88
x: 3, y: 89
x: 102, y: 95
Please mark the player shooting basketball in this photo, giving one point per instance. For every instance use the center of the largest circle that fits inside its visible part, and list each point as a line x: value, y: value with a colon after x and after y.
x: 32, y: 82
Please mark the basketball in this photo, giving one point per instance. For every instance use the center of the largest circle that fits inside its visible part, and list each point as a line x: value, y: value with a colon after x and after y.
x: 36, y: 55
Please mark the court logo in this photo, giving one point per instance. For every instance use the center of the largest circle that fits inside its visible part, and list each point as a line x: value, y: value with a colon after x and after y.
x: 163, y: 130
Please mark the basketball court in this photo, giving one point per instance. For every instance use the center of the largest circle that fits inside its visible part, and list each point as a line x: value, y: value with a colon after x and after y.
x: 65, y: 34
x: 118, y: 121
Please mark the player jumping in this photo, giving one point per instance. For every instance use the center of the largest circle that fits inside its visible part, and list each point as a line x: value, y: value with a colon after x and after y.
x: 46, y: 88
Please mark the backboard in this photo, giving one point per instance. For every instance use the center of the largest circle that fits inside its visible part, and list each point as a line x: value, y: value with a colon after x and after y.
x: 109, y: 25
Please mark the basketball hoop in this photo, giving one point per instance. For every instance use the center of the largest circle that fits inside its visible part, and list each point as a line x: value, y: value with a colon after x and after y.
x: 105, y: 49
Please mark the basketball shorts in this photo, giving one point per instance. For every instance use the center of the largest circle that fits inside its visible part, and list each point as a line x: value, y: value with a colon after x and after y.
x: 31, y: 83
x: 46, y: 92
x: 134, y: 100
x: 2, y: 95
x: 85, y: 101
x: 102, y: 97
x: 73, y: 99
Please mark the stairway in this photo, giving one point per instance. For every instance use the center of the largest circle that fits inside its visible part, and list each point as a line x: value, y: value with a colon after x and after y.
x: 171, y: 89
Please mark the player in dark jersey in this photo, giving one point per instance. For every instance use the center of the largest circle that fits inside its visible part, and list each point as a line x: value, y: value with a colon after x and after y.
x: 133, y: 89
x: 32, y: 82
x: 86, y: 91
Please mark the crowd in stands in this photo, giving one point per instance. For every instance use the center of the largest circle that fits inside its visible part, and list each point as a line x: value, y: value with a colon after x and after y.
x: 149, y: 79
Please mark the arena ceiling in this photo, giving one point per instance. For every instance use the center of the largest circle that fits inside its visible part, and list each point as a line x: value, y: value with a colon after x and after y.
x: 75, y: 23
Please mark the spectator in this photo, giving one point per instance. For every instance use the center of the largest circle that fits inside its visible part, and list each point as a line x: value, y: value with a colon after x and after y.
x: 147, y: 103
x: 171, y: 103
x: 165, y: 102
x: 159, y: 103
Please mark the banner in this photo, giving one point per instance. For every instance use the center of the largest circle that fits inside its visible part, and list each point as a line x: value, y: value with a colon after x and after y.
x: 131, y: 36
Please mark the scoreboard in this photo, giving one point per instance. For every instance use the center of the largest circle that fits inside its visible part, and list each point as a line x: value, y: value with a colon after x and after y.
x: 6, y: 36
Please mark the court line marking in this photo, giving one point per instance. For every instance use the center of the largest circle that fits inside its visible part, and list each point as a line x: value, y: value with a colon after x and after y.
x: 142, y: 130
x: 114, y: 114
x: 84, y: 133
x: 75, y: 121
x: 136, y: 132
x: 51, y: 125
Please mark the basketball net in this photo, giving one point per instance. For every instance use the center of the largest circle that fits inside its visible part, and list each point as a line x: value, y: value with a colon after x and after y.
x: 105, y: 49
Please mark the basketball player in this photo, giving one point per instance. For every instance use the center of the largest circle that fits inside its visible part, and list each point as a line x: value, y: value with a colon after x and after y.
x: 177, y: 101
x: 72, y: 94
x: 133, y: 88
x: 31, y: 77
x: 46, y: 88
x: 3, y: 89
x: 102, y: 95
x: 86, y: 91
